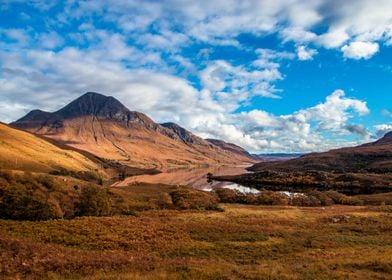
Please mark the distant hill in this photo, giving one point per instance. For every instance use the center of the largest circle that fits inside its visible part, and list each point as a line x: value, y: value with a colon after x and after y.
x: 355, y: 170
x: 103, y: 126
x: 282, y: 155
x: 20, y: 150
x: 372, y: 157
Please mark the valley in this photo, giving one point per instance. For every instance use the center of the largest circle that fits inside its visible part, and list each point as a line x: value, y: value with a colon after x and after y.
x: 96, y: 191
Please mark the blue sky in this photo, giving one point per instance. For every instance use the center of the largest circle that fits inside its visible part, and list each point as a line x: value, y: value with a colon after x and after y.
x: 271, y: 76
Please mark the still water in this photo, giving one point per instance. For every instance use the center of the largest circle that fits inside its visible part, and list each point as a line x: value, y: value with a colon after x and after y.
x: 195, y: 177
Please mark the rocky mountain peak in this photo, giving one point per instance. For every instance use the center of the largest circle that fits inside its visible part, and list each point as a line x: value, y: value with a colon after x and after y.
x: 94, y: 104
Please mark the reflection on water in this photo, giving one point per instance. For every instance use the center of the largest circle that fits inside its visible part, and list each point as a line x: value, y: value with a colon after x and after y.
x: 196, y: 178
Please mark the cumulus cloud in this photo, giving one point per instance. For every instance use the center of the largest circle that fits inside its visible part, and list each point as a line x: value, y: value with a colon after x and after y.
x: 299, y: 131
x: 228, y: 82
x: 358, y: 50
x: 304, y: 53
x: 382, y: 129
x: 51, y: 40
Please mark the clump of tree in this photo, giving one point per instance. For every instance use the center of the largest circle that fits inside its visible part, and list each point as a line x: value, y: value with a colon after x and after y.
x: 24, y: 196
x: 185, y: 198
x: 311, y: 198
x: 94, y: 201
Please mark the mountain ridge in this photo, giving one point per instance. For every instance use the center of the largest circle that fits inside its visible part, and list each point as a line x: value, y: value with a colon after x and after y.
x: 105, y: 127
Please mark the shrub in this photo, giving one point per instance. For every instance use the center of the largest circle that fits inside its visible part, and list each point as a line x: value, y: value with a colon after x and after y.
x: 272, y: 198
x: 304, y: 200
x: 230, y: 196
x: 164, y: 201
x: 193, y: 199
x: 94, y: 201
x: 339, y: 198
x: 48, y: 182
x: 336, y: 197
x: 323, y: 197
x: 21, y: 202
x: 7, y: 175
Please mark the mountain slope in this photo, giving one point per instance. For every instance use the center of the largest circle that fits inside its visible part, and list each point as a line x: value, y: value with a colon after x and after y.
x: 103, y: 126
x: 186, y: 136
x: 356, y: 170
x: 20, y: 150
x: 372, y: 157
x: 230, y: 147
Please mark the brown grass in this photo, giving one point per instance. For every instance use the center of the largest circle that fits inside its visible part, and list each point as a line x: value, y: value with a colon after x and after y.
x: 23, y: 151
x: 244, y: 242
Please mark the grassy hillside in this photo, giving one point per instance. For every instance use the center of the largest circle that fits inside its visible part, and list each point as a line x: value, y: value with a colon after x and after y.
x: 21, y: 150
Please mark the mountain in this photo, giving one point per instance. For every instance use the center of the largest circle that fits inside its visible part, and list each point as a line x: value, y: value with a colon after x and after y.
x: 186, y: 136
x: 372, y: 157
x: 103, y: 126
x: 232, y: 148
x: 385, y: 140
x: 354, y: 170
x: 20, y: 150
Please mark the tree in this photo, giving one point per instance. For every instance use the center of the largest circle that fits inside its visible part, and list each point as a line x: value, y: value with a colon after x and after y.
x: 94, y: 201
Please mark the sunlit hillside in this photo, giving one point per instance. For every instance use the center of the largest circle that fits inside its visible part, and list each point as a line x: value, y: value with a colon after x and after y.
x: 24, y: 151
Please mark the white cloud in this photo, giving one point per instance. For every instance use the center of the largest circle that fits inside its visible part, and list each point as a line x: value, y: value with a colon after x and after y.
x: 237, y: 84
x: 358, y: 50
x: 138, y: 60
x: 50, y: 40
x: 17, y: 35
x: 382, y: 129
x: 304, y: 53
x: 298, y: 35
x: 333, y: 38
x: 300, y: 131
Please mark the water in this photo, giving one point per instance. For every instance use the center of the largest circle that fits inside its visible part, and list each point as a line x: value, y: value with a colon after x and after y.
x: 195, y: 177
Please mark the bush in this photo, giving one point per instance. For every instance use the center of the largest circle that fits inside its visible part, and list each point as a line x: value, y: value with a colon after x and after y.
x: 94, y: 201
x: 230, y: 196
x: 304, y: 200
x: 48, y: 182
x: 21, y: 202
x: 339, y: 198
x: 323, y: 197
x: 193, y: 199
x: 336, y: 197
x: 272, y: 198
x: 164, y: 201
x: 7, y: 175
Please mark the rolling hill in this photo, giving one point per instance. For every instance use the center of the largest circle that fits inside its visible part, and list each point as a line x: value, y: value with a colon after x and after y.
x: 103, y: 126
x: 354, y: 170
x: 373, y: 157
x: 20, y: 150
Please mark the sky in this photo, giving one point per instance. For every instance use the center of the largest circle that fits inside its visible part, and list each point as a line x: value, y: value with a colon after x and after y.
x: 268, y: 75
